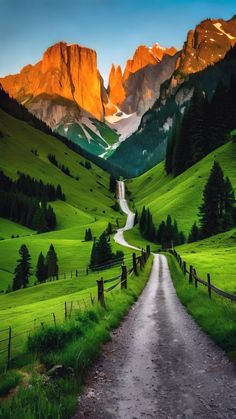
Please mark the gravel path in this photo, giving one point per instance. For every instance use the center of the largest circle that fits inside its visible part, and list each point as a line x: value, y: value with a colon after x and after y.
x: 160, y: 364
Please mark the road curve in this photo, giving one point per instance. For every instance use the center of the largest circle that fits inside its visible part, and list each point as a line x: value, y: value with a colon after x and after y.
x: 159, y: 364
x: 119, y: 236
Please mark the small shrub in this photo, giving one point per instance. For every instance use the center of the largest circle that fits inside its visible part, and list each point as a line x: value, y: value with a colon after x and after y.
x: 50, y: 338
x: 8, y: 381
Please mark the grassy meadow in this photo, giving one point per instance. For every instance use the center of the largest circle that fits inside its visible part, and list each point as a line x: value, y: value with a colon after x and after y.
x: 181, y: 196
x: 88, y: 200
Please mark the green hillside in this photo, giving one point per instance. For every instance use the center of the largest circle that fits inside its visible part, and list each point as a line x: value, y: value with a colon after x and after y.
x: 181, y: 196
x: 88, y: 200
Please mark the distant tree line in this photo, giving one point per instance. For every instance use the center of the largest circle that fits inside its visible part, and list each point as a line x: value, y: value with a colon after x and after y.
x: 31, y: 187
x: 20, y: 203
x: 47, y: 268
x: 166, y: 234
x: 205, y: 126
x: 217, y: 212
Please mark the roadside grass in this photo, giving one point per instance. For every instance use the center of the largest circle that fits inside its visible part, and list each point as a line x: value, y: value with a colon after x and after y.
x: 216, y: 317
x: 8, y: 381
x: 85, y: 333
x: 215, y: 255
x: 24, y: 310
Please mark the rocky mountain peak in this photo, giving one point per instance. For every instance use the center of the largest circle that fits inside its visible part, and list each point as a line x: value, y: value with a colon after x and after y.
x: 207, y: 44
x: 68, y: 71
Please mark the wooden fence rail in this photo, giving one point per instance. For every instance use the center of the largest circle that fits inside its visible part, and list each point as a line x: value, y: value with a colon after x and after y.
x: 192, y: 274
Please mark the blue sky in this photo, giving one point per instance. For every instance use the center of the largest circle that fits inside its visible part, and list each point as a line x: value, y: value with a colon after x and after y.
x: 113, y: 28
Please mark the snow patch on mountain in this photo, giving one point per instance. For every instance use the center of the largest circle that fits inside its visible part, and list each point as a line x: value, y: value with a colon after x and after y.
x: 218, y: 26
x: 124, y: 124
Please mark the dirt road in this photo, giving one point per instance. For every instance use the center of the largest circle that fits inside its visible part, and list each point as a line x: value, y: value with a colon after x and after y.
x: 160, y: 364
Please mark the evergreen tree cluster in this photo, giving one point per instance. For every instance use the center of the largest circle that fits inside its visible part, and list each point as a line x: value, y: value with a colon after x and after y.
x: 27, y: 211
x: 23, y: 209
x: 166, y: 234
x: 88, y: 235
x: 146, y: 225
x: 62, y: 167
x: 204, y: 127
x: 47, y: 268
x: 36, y: 188
x: 31, y: 187
x: 217, y: 212
x: 102, y: 253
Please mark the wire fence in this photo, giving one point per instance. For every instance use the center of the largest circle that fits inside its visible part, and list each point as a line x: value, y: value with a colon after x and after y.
x: 13, y: 339
x: 194, y: 278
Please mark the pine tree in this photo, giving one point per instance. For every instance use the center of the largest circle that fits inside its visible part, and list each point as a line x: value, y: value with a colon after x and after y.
x: 109, y: 229
x: 112, y: 184
x: 101, y: 251
x: 41, y: 269
x: 194, y: 234
x: 229, y: 201
x: 143, y: 220
x: 94, y: 255
x: 22, y: 270
x: 88, y: 235
x: 136, y: 218
x: 51, y: 263
x: 212, y: 208
x: 39, y: 221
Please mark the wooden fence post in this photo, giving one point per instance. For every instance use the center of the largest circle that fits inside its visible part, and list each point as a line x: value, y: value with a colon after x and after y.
x: 184, y: 267
x: 71, y: 307
x: 209, y: 284
x: 191, y: 274
x: 123, y: 277
x: 135, y: 264
x: 54, y: 319
x: 148, y: 249
x: 65, y: 311
x: 9, y: 348
x: 100, y: 285
x: 195, y: 277
x: 92, y: 299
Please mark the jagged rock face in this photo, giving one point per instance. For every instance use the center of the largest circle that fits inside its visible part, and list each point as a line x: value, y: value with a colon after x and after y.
x: 206, y: 45
x: 67, y: 71
x: 143, y: 87
x: 144, y: 56
x: 116, y: 89
x: 139, y: 86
